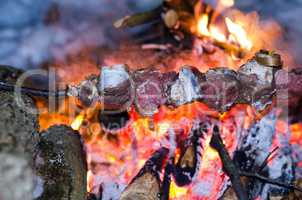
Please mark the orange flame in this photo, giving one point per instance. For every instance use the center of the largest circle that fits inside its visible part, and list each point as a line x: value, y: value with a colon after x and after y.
x: 76, y: 124
x: 238, y: 34
x: 236, y: 31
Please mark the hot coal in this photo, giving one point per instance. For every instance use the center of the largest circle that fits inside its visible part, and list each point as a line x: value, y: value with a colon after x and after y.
x: 60, y: 165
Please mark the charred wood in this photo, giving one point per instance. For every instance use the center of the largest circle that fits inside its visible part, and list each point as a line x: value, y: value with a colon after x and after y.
x: 228, y: 165
x: 189, y: 162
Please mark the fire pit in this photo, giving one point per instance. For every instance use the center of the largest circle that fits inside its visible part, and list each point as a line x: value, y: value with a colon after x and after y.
x: 193, y: 107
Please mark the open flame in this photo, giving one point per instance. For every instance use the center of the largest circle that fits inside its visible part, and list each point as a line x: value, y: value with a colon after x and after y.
x: 76, y: 124
x: 236, y: 32
x: 122, y: 155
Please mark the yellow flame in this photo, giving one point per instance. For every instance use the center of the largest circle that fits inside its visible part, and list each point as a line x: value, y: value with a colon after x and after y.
x: 217, y: 34
x: 238, y: 34
x: 176, y: 192
x: 213, y: 32
x: 76, y: 124
x: 202, y: 25
x: 162, y: 128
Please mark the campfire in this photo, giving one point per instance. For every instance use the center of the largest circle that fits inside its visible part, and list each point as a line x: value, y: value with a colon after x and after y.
x: 203, y: 112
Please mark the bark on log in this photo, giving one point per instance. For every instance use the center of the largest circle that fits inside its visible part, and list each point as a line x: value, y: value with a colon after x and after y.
x: 61, y: 165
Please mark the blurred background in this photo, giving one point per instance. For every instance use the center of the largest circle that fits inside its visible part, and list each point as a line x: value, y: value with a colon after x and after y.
x: 34, y: 32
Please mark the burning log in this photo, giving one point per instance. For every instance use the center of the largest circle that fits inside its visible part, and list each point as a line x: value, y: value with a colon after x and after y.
x: 228, y: 165
x: 18, y: 136
x: 254, y: 149
x: 189, y: 162
x: 146, y: 185
x: 281, y: 169
x: 60, y: 165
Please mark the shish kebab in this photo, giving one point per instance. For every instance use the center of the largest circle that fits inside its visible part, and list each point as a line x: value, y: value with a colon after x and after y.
x: 117, y: 88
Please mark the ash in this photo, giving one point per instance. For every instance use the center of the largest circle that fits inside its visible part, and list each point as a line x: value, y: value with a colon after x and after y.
x: 256, y: 144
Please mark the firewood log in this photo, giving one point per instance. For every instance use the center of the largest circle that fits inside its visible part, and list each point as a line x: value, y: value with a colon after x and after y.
x: 146, y: 184
x: 60, y: 164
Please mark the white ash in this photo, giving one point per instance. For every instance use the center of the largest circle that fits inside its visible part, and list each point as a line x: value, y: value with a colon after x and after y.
x: 281, y: 168
x: 111, y: 191
x: 257, y: 143
x: 203, y: 188
x: 108, y: 189
x: 186, y: 88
